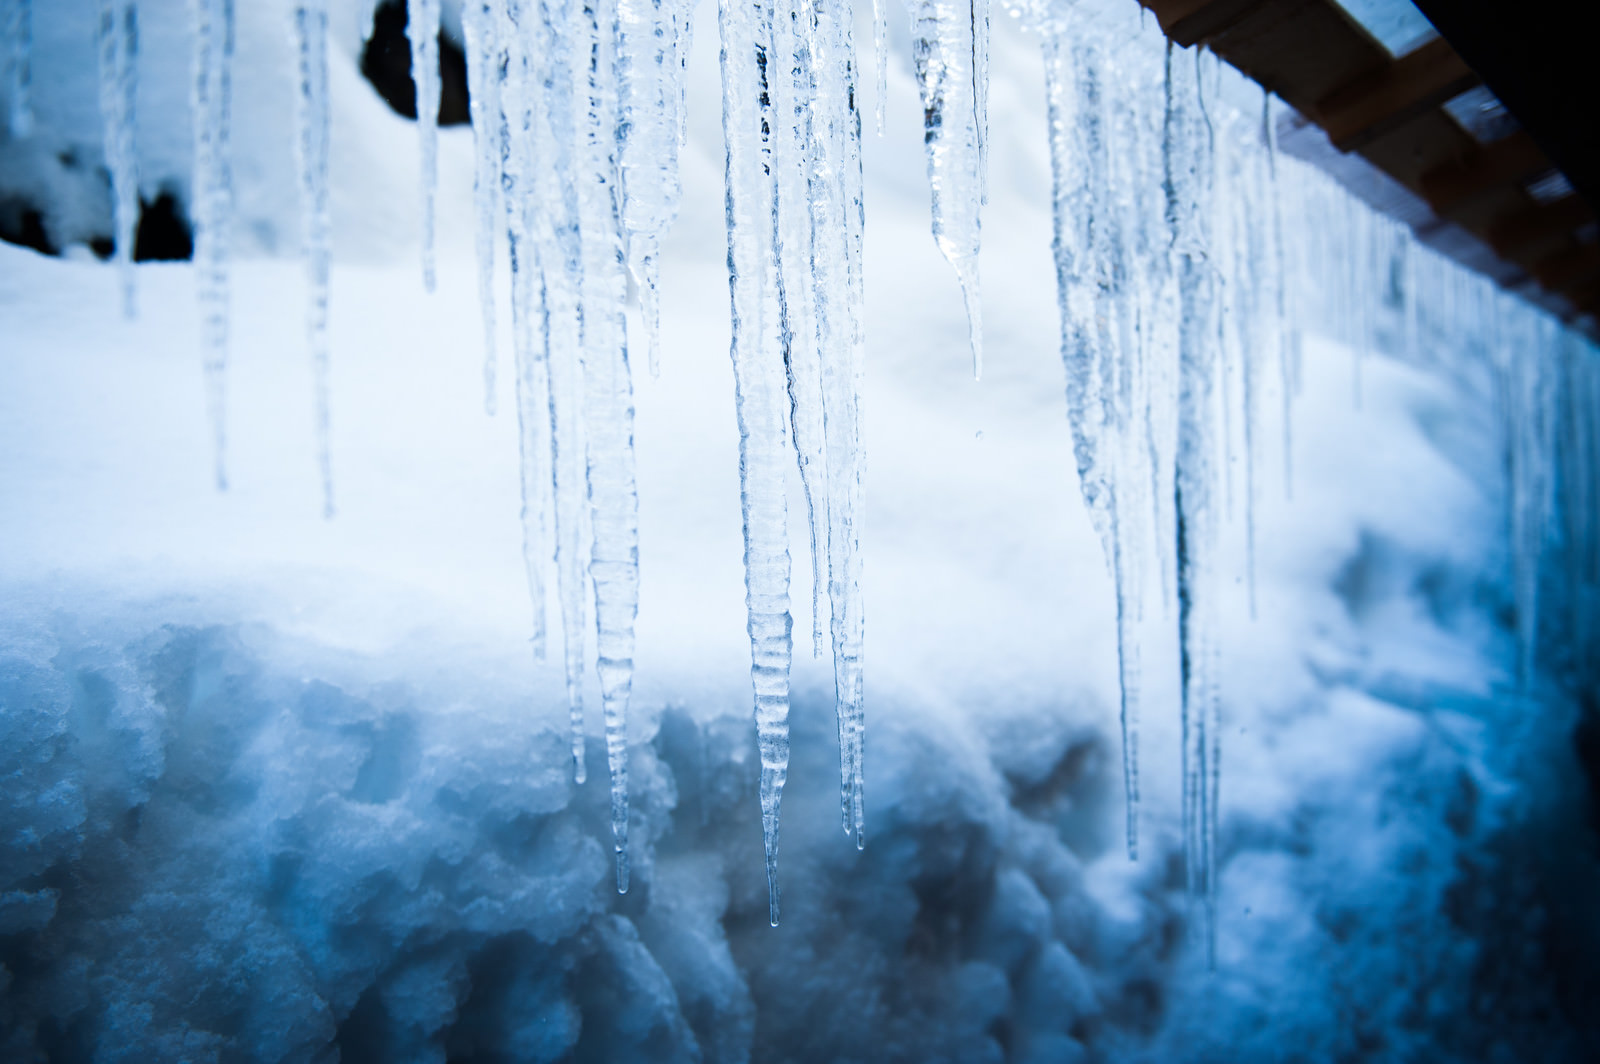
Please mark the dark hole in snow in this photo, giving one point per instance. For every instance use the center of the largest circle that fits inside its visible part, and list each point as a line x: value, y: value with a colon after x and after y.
x: 21, y: 223
x: 386, y: 63
x: 163, y: 234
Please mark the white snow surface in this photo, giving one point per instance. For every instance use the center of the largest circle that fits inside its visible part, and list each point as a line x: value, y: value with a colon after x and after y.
x: 274, y: 787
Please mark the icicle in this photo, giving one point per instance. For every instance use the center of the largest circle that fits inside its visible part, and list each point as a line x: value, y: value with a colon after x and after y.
x: 1280, y: 289
x: 311, y: 40
x: 19, y: 68
x: 648, y: 134
x: 555, y: 221
x: 943, y: 53
x: 212, y: 206
x: 683, y: 41
x: 880, y: 57
x: 118, y: 40
x: 1107, y: 396
x: 608, y: 413
x: 485, y: 72
x: 422, y: 27
x: 747, y: 120
x: 528, y: 327
x: 980, y: 91
x: 1188, y: 176
x: 836, y: 272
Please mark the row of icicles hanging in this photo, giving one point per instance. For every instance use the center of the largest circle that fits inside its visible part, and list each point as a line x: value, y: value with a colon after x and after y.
x: 1169, y: 272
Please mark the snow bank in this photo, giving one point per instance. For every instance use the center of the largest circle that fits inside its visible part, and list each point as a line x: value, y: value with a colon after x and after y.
x: 276, y: 788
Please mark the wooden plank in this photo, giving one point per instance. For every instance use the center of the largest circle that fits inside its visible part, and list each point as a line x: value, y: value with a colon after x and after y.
x: 1512, y: 235
x: 1367, y: 107
x: 1449, y: 187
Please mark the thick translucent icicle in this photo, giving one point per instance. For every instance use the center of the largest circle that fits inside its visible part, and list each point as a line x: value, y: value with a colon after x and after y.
x: 422, y: 28
x: 943, y: 55
x: 608, y: 412
x: 747, y: 122
x: 118, y: 40
x: 311, y: 44
x: 19, y: 68
x: 212, y: 206
x: 649, y: 88
x: 486, y: 58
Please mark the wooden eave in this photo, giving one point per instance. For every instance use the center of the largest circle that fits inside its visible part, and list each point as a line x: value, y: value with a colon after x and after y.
x: 1390, y: 111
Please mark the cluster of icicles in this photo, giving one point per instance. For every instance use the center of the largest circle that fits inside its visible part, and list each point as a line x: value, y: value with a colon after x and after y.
x: 1177, y: 279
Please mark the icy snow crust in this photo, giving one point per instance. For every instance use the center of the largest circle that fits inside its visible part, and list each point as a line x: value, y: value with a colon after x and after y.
x: 276, y: 788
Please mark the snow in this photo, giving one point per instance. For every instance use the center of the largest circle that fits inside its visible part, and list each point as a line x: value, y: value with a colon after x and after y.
x: 273, y: 786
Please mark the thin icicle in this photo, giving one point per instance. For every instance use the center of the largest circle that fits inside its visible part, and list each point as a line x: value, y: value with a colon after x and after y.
x: 486, y: 58
x: 943, y: 54
x: 118, y: 40
x: 836, y: 286
x: 608, y: 412
x: 1188, y: 178
x: 980, y: 90
x: 212, y: 207
x: 1280, y: 291
x: 520, y: 195
x: 19, y: 68
x: 759, y: 391
x: 880, y: 57
x: 311, y: 45
x: 554, y: 213
x: 796, y: 188
x: 649, y: 84
x: 422, y: 28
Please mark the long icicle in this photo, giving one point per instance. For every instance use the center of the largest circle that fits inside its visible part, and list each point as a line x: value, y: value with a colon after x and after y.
x: 422, y: 28
x: 608, y: 414
x: 1099, y: 350
x: 118, y: 40
x: 562, y: 268
x: 528, y: 327
x: 486, y: 57
x: 212, y: 207
x: 760, y: 399
x: 835, y: 200
x: 796, y: 183
x: 1188, y: 179
x: 311, y: 45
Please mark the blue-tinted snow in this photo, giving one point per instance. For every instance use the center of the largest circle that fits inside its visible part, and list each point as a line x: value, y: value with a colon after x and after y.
x: 273, y: 788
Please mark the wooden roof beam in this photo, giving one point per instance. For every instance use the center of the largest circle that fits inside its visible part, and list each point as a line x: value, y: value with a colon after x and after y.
x: 1514, y: 235
x: 1452, y: 186
x: 1188, y: 22
x: 1359, y: 112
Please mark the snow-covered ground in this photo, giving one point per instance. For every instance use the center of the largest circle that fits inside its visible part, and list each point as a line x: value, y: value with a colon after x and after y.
x: 282, y: 788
